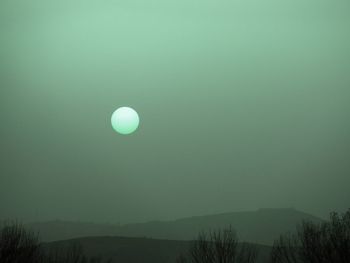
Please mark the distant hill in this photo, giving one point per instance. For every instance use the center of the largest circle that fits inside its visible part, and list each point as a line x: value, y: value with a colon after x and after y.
x: 137, y: 250
x: 261, y: 226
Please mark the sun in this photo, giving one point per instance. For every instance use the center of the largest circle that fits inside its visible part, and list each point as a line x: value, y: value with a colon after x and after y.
x: 125, y: 120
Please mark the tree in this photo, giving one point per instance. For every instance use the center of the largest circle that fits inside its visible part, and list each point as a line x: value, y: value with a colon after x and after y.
x: 326, y: 242
x: 20, y: 245
x: 219, y: 246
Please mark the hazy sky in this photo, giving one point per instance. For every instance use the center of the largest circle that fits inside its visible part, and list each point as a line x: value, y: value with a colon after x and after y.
x: 243, y: 105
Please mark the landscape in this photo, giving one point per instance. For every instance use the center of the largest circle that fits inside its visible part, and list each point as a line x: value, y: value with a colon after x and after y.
x: 60, y: 241
x: 174, y: 131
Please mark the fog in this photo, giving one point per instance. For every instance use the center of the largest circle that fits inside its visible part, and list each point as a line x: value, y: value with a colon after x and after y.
x: 243, y: 105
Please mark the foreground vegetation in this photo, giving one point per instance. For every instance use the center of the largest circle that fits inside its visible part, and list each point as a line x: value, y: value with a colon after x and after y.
x: 327, y: 242
x: 219, y: 246
x: 20, y: 245
x: 323, y: 242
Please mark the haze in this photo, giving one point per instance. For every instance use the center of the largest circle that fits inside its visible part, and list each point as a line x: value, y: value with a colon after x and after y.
x: 244, y: 105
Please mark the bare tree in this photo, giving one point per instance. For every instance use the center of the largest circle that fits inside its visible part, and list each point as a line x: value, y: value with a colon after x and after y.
x: 18, y: 244
x: 247, y: 253
x: 326, y: 242
x: 219, y: 246
x: 285, y: 250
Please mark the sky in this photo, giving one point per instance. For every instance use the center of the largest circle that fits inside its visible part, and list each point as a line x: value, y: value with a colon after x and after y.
x: 243, y: 105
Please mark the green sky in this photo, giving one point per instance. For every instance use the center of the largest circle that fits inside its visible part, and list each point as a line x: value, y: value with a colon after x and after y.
x: 243, y: 105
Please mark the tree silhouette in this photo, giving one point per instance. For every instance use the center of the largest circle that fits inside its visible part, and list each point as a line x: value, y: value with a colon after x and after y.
x: 20, y: 245
x: 326, y: 242
x: 219, y: 246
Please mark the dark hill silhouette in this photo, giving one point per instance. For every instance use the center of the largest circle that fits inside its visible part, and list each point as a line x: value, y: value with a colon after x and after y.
x: 137, y: 250
x: 261, y: 226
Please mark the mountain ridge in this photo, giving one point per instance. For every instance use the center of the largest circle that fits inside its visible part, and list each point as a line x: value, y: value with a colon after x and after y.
x: 261, y: 226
